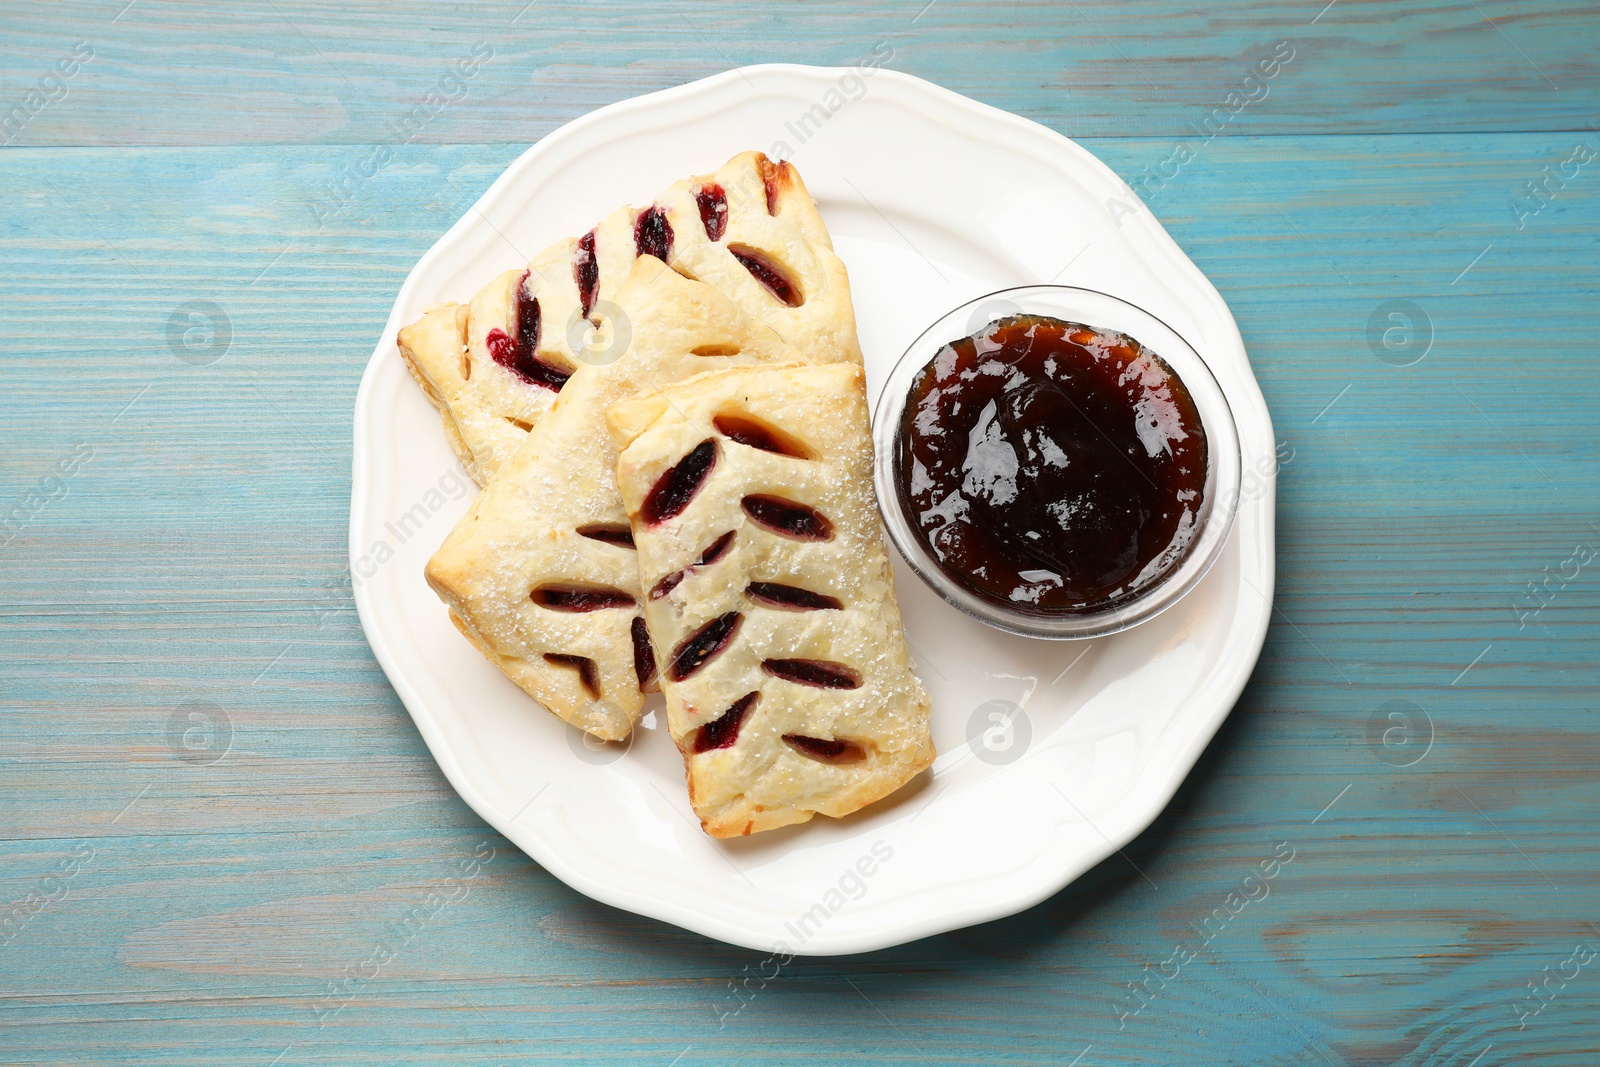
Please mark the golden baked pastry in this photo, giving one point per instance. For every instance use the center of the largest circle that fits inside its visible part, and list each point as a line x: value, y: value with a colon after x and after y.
x: 494, y: 367
x: 768, y: 592
x: 541, y: 574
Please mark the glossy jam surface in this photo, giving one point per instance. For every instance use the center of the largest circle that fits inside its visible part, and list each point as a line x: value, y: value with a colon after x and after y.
x: 675, y: 488
x: 644, y: 654
x: 723, y: 731
x: 766, y: 271
x: 818, y: 673
x: 1051, y: 467
x: 694, y: 651
x: 713, y: 204
x: 652, y: 234
x: 790, y: 597
x: 519, y: 353
x: 788, y: 517
x: 586, y: 272
x: 572, y: 597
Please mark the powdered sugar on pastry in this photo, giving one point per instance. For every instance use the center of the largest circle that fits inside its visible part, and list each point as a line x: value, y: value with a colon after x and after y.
x: 493, y: 367
x: 540, y: 574
x: 768, y: 593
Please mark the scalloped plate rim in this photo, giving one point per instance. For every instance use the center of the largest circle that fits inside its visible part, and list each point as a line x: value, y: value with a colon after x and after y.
x: 1145, y: 800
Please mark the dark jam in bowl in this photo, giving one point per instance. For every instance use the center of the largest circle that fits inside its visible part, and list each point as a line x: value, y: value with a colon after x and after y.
x: 1051, y: 467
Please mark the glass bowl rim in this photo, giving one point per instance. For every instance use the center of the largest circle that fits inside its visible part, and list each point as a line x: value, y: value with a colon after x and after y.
x: 1223, y: 476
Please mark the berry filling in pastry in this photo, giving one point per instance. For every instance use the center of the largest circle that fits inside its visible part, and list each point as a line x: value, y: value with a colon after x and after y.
x: 520, y: 573
x: 790, y: 691
x: 713, y: 204
x: 493, y: 366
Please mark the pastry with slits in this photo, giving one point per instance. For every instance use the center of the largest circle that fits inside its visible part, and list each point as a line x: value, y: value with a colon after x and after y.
x: 541, y: 574
x: 768, y: 594
x: 495, y: 366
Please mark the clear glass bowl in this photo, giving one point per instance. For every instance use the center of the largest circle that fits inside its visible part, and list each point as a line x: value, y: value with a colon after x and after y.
x: 1221, y: 497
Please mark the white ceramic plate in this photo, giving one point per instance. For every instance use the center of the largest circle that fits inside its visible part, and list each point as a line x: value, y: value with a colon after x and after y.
x: 932, y: 199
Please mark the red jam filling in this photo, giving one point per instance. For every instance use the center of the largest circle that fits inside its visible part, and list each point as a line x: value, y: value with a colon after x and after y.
x: 788, y: 517
x: 764, y: 270
x: 519, y: 355
x: 713, y: 204
x: 652, y: 234
x: 586, y: 272
x: 813, y: 672
x: 790, y: 597
x: 696, y: 650
x: 644, y: 654
x: 1051, y: 467
x: 723, y: 731
x: 580, y: 598
x: 676, y: 487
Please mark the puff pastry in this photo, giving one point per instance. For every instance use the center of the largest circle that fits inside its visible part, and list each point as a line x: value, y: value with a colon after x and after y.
x: 494, y: 367
x: 789, y: 684
x: 541, y: 574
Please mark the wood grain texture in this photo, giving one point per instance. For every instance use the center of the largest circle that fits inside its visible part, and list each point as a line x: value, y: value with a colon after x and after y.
x: 182, y: 550
x: 178, y: 72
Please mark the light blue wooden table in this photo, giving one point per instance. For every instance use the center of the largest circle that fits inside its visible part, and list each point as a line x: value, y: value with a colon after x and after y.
x: 1405, y: 220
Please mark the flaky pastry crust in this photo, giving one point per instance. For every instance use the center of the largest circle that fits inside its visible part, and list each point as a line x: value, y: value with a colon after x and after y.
x: 811, y: 704
x: 534, y: 574
x: 751, y: 220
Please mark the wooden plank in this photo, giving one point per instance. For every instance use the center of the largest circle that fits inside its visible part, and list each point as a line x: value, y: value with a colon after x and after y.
x: 197, y: 554
x: 165, y: 72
